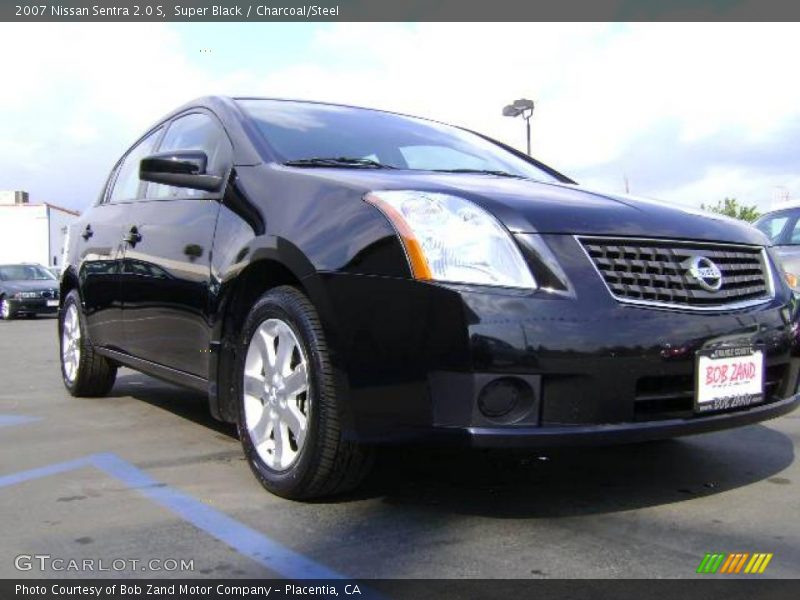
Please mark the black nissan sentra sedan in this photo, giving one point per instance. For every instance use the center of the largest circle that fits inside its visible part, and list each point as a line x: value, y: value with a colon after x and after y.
x: 27, y: 289
x: 336, y: 277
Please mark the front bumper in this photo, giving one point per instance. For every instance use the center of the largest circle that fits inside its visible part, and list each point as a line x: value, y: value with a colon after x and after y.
x: 32, y: 306
x: 416, y: 355
x: 618, y: 433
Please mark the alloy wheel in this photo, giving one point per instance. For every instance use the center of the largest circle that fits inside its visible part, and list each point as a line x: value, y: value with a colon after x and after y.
x: 276, y: 394
x: 71, y: 343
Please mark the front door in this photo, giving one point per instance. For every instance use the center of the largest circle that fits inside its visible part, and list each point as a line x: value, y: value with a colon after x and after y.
x: 166, y: 268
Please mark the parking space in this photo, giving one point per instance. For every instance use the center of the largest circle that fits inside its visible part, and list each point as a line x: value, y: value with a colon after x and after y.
x: 148, y: 474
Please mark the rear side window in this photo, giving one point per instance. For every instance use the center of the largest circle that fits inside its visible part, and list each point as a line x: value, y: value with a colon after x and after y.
x: 196, y: 131
x: 126, y: 186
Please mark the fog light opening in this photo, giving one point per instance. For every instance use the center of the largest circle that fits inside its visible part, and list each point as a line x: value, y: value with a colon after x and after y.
x: 505, y: 400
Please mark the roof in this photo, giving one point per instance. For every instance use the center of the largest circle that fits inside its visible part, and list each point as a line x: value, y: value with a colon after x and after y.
x: 785, y: 205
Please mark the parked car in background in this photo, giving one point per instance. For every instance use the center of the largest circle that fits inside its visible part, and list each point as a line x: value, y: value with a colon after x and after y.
x: 782, y: 227
x: 27, y: 289
x: 336, y: 277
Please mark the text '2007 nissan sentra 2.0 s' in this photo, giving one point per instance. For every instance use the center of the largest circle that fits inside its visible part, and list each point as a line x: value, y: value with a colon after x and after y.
x: 335, y: 277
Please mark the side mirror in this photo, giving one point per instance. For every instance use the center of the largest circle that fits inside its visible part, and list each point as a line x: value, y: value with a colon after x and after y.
x: 180, y: 168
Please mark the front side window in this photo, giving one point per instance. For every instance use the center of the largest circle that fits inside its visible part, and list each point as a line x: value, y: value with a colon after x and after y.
x: 25, y: 273
x: 126, y: 186
x: 196, y: 131
x: 303, y: 131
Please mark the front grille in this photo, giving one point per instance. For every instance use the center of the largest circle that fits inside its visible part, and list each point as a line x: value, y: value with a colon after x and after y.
x: 42, y: 294
x: 659, y: 272
x: 672, y: 396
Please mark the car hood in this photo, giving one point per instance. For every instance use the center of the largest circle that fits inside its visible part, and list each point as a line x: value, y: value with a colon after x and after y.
x: 24, y: 285
x: 527, y: 206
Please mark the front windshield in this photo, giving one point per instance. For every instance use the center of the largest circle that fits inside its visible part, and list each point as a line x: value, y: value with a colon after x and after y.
x: 25, y: 273
x: 302, y: 131
x: 773, y: 225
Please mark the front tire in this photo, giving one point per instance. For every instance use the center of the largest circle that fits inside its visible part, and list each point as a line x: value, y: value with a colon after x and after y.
x: 289, y: 405
x: 84, y: 371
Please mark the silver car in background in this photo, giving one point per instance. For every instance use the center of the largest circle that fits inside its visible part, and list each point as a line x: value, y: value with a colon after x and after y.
x: 782, y: 227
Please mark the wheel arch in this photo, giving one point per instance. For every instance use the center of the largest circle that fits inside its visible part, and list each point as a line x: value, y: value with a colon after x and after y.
x: 271, y: 266
x: 69, y: 281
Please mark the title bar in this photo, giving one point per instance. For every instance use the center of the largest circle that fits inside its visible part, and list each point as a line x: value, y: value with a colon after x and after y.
x: 399, y: 10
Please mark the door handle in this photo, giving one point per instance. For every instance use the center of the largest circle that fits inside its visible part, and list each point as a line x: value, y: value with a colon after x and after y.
x: 87, y: 233
x: 133, y: 236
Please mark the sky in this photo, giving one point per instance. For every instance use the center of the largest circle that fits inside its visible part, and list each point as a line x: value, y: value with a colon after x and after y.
x: 686, y: 113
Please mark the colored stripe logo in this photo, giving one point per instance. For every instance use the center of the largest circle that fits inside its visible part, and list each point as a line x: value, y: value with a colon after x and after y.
x: 734, y: 563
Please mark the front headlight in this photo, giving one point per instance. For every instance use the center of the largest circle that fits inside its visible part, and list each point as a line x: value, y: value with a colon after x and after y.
x: 26, y: 295
x: 451, y: 239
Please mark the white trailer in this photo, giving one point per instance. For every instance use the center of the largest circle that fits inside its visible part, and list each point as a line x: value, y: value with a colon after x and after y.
x: 32, y: 232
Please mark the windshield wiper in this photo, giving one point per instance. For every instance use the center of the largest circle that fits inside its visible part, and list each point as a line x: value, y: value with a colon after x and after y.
x: 480, y: 172
x: 338, y: 161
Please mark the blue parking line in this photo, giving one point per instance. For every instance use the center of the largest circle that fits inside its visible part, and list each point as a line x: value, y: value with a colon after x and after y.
x: 240, y: 537
x: 40, y: 472
x: 8, y: 420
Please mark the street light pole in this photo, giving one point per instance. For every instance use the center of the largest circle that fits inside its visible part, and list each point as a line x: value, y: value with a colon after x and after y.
x: 528, y: 130
x: 524, y: 108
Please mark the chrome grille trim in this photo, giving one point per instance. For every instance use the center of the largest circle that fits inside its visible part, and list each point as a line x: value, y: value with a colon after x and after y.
x: 675, y: 291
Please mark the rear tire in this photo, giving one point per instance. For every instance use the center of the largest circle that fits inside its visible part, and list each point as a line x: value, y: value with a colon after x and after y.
x: 5, y: 310
x: 84, y: 372
x: 289, y: 405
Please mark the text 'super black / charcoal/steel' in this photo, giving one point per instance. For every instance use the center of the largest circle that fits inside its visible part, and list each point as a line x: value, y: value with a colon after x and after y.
x: 335, y: 278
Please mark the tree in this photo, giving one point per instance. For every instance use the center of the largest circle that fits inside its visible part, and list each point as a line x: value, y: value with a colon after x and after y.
x: 731, y: 208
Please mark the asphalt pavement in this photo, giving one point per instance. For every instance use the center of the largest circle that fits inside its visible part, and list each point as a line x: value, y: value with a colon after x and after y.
x: 147, y: 475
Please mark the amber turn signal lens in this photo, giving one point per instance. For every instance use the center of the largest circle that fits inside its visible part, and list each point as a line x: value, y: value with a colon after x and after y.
x: 419, y: 265
x: 792, y: 280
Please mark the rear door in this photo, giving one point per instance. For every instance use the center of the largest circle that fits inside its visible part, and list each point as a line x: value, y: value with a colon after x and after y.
x: 166, y: 267
x: 99, y: 243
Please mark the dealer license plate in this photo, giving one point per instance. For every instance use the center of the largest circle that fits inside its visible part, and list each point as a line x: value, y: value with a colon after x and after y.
x: 729, y: 378
x: 52, y: 303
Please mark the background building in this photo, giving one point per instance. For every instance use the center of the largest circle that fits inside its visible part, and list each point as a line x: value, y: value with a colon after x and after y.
x: 32, y: 232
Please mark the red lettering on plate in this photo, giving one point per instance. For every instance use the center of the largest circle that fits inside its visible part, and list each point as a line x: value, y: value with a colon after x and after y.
x: 740, y: 371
